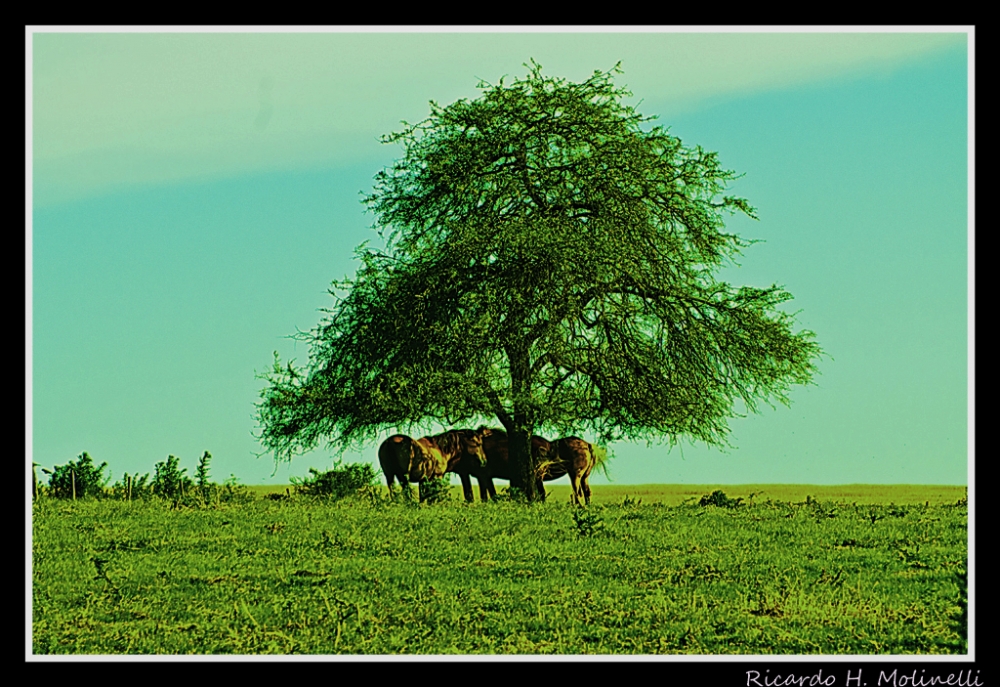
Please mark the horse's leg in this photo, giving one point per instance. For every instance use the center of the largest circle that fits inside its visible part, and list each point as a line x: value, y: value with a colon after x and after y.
x: 540, y: 486
x: 389, y: 483
x: 404, y: 484
x: 574, y: 483
x: 485, y: 485
x: 585, y: 477
x: 467, y: 486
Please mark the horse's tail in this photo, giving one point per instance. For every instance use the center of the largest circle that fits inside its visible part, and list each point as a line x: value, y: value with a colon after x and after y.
x: 599, y: 459
x: 546, y: 464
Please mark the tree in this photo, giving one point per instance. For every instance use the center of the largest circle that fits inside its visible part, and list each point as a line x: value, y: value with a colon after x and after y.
x: 550, y: 260
x: 78, y: 479
x: 201, y: 474
x: 170, y: 480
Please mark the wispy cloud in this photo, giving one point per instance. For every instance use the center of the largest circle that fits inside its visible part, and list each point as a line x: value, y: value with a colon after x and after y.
x: 117, y: 110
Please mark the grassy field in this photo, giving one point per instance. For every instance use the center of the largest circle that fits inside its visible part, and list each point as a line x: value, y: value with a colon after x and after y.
x: 676, y: 494
x: 647, y: 570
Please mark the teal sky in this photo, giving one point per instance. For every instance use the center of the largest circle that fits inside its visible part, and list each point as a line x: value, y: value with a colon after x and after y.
x: 194, y: 194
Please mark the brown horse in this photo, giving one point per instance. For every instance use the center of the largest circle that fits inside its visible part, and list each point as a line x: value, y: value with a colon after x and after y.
x: 497, y: 464
x: 414, y: 460
x: 569, y: 455
x: 573, y: 456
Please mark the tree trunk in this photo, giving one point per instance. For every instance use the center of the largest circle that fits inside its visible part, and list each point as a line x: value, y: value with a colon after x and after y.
x: 522, y: 464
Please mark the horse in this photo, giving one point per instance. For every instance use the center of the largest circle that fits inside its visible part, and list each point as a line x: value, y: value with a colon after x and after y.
x: 497, y: 464
x: 576, y: 457
x: 569, y: 455
x: 415, y: 460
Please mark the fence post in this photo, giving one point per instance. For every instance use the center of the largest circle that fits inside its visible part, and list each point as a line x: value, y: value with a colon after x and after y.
x: 72, y: 477
x: 128, y: 486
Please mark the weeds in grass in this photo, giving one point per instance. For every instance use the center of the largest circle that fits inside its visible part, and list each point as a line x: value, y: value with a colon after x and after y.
x: 588, y: 523
x: 961, y: 578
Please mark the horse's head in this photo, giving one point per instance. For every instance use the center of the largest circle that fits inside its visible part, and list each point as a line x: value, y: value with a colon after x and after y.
x: 472, y: 444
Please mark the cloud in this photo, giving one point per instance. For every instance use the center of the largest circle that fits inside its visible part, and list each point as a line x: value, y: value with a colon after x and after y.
x: 114, y: 110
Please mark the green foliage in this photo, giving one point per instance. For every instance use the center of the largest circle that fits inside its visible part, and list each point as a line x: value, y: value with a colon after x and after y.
x: 302, y: 576
x: 510, y: 494
x: 630, y: 502
x: 587, y: 522
x: 170, y: 481
x: 231, y: 493
x: 79, y: 478
x: 132, y: 487
x: 341, y: 481
x: 435, y: 490
x: 201, y: 474
x: 34, y: 481
x: 512, y: 287
x: 719, y: 498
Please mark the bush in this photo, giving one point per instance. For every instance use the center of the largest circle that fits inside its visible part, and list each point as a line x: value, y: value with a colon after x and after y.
x: 588, y: 523
x: 132, y: 487
x: 719, y: 498
x: 169, y: 481
x: 341, y: 481
x: 78, y: 479
x: 201, y: 474
x: 435, y: 490
x: 231, y: 492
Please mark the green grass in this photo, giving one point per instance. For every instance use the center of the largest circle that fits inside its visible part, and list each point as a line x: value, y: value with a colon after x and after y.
x: 676, y: 494
x: 658, y: 577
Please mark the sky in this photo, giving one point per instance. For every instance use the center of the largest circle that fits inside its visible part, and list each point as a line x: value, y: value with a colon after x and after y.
x: 194, y: 194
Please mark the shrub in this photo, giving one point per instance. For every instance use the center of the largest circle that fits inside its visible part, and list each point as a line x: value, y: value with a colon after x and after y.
x: 510, y: 495
x: 35, y: 488
x: 169, y: 481
x: 588, y: 523
x: 434, y: 490
x: 132, y: 487
x: 719, y: 498
x: 78, y: 479
x: 201, y: 474
x: 341, y: 481
x: 231, y: 492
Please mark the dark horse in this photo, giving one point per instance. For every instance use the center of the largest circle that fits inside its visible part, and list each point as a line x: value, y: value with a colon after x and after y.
x: 570, y: 455
x: 414, y: 460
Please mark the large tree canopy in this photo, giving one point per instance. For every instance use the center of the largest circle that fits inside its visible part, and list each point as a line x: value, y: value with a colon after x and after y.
x: 550, y: 261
